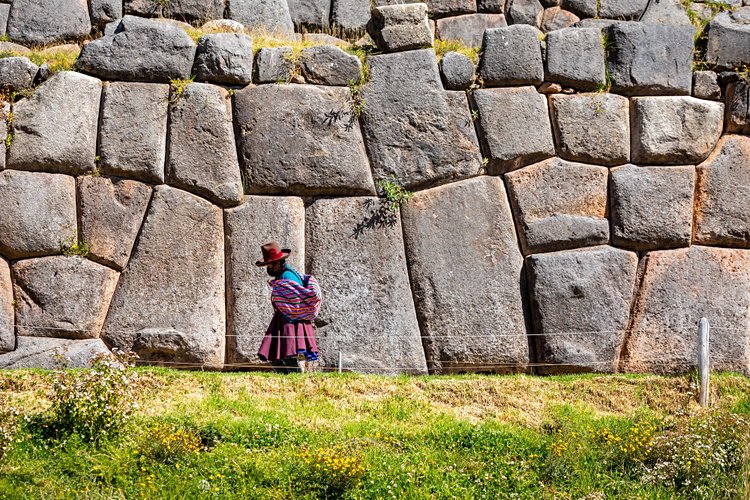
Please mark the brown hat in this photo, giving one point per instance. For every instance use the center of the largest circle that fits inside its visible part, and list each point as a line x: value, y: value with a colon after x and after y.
x: 272, y: 252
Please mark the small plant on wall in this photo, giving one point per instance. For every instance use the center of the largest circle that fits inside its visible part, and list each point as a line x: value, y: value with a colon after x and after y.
x: 395, y: 194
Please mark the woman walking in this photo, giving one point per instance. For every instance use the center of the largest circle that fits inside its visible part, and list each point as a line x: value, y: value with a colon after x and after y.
x: 288, y: 342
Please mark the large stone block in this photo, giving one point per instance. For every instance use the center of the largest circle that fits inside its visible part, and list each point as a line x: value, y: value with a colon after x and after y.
x: 270, y: 16
x: 514, y: 127
x: 274, y: 65
x: 666, y: 12
x: 258, y: 220
x: 580, y: 302
x: 184, y: 10
x: 400, y: 27
x: 465, y: 287
x: 38, y: 213
x: 55, y: 129
x: 7, y: 323
x: 650, y: 59
x: 559, y: 205
x: 737, y: 98
x: 443, y: 8
x: 413, y: 129
x: 17, y: 73
x: 64, y: 297
x: 350, y: 15
x: 525, y: 12
x: 53, y: 354
x: 722, y: 198
x: 368, y: 313
x: 169, y: 304
x: 140, y: 50
x: 621, y: 9
x: 575, y: 57
x: 104, y: 11
x: 557, y: 18
x: 457, y: 71
x: 224, y: 58
x: 133, y: 130
x: 729, y: 40
x: 329, y: 65
x: 512, y: 56
x: 592, y: 128
x: 674, y: 130
x: 34, y: 22
x: 310, y: 13
x: 202, y: 153
x: 652, y: 207
x: 327, y: 155
x: 111, y: 213
x: 678, y: 288
x: 583, y: 8
x: 468, y: 28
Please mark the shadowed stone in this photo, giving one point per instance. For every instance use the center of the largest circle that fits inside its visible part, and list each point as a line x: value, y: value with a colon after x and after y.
x: 368, y: 314
x: 7, y: 332
x: 53, y: 354
x: 329, y: 65
x: 133, y: 130
x: 179, y: 261
x: 468, y: 28
x: 310, y: 13
x: 583, y: 8
x: 54, y: 130
x: 737, y: 99
x: 111, y: 212
x: 511, y: 56
x: 224, y: 58
x: 678, y: 288
x: 445, y: 273
x: 274, y: 65
x: 592, y: 128
x: 674, y: 130
x: 64, y: 297
x: 525, y: 12
x: 652, y: 207
x: 184, y: 10
x: 581, y: 318
x: 326, y: 156
x: 722, y: 198
x: 575, y: 57
x: 139, y: 50
x: 38, y: 213
x: 729, y: 40
x: 400, y: 27
x: 271, y: 16
x: 258, y: 220
x: 17, y: 73
x: 35, y: 22
x: 105, y: 11
x: 457, y: 71
x: 514, y: 127
x: 202, y: 152
x: 559, y: 205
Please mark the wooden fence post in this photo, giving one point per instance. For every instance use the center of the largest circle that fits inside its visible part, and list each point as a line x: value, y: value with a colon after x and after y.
x: 703, y: 361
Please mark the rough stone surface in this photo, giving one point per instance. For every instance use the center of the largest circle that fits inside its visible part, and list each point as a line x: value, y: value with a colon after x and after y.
x: 178, y: 260
x: 443, y: 8
x: 592, y: 128
x: 104, y: 11
x: 184, y: 10
x: 678, y: 288
x: 650, y: 59
x: 445, y: 271
x: 525, y: 12
x: 7, y: 332
x: 5, y: 117
x: 111, y: 213
x: 468, y: 28
x: 652, y: 207
x: 556, y: 18
x: 35, y: 22
x: 666, y: 12
x: 674, y: 130
x: 494, y: 6
x: 737, y: 100
x: 350, y: 15
x: 4, y: 14
x: 133, y: 130
x: 273, y: 65
x: 310, y: 13
x: 55, y: 129
x: 722, y: 198
x: 139, y: 50
x: 368, y: 313
x: 46, y: 353
x: 457, y: 71
x: 583, y: 8
x: 413, y: 129
x: 329, y: 65
x: 224, y: 58
x: 581, y: 318
x: 511, y: 56
x: 621, y: 9
x: 271, y: 16
x: 400, y: 27
x: 706, y: 86
x: 514, y: 127
x: 575, y: 57
x: 729, y: 40
x: 64, y: 297
x: 17, y: 73
x: 38, y: 213
x: 325, y: 157
x: 202, y: 153
x: 258, y: 220
x: 559, y: 205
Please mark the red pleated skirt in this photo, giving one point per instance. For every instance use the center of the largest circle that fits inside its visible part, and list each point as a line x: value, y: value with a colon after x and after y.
x: 285, y: 340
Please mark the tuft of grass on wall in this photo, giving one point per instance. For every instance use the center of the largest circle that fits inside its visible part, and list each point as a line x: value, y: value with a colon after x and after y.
x: 442, y: 47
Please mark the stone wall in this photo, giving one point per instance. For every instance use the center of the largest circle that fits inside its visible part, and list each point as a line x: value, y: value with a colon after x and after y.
x: 581, y: 186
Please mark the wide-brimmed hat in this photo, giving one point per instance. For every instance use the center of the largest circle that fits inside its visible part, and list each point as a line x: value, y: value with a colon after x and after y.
x: 272, y: 252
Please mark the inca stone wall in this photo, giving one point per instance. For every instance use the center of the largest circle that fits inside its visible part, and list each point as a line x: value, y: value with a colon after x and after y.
x: 580, y: 169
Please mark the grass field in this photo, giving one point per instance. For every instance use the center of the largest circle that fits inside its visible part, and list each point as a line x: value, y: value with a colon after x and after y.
x: 259, y: 435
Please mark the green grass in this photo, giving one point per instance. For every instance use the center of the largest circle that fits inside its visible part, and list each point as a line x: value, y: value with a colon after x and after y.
x: 263, y: 435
